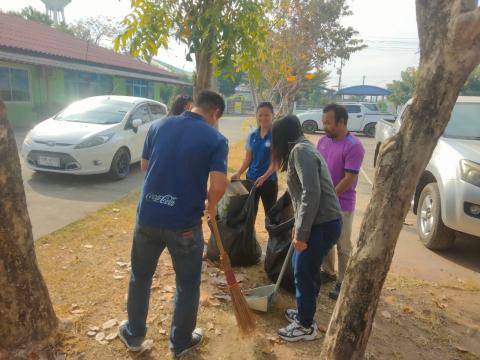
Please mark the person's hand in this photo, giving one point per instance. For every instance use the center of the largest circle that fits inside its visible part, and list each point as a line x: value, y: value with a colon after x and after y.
x: 235, y: 177
x: 210, y: 211
x: 260, y: 181
x: 300, y: 246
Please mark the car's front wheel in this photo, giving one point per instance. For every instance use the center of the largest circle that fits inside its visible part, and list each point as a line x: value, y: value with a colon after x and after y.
x: 433, y: 232
x: 369, y: 130
x: 309, y: 126
x: 120, y: 167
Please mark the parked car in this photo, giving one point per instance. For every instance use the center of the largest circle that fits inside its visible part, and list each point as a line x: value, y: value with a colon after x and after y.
x: 101, y: 134
x: 447, y: 197
x: 362, y: 117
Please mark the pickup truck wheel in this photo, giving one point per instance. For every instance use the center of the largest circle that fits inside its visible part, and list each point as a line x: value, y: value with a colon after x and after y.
x: 369, y: 130
x: 432, y: 231
x: 309, y: 126
x: 120, y: 167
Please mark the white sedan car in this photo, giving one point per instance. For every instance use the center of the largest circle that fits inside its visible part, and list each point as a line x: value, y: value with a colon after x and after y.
x: 96, y: 135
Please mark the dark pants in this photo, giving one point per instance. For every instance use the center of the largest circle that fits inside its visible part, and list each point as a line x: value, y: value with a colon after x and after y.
x: 186, y: 250
x: 268, y: 192
x: 306, y: 266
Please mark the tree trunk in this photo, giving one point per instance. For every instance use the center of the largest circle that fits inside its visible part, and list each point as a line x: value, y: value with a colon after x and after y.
x: 450, y: 49
x: 204, y: 73
x: 26, y: 313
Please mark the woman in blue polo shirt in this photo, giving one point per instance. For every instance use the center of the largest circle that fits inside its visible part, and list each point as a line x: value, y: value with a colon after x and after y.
x: 258, y: 159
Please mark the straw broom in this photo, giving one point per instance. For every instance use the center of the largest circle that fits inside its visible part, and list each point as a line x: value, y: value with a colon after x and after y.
x: 243, y: 314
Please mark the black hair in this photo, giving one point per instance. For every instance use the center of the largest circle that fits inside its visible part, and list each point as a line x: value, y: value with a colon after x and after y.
x: 210, y: 100
x: 341, y: 113
x: 285, y: 133
x: 179, y: 104
x: 265, y: 104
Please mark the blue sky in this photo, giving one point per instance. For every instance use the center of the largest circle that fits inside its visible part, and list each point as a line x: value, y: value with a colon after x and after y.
x: 387, y: 26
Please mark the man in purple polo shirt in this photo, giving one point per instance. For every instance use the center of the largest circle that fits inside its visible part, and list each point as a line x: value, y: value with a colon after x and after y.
x: 343, y: 153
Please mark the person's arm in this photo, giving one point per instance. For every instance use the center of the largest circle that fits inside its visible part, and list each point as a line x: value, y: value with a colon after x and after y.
x: 346, y: 182
x: 309, y: 177
x: 147, y: 151
x: 245, y: 165
x: 216, y: 189
x: 352, y: 166
x: 271, y: 169
x: 218, y: 177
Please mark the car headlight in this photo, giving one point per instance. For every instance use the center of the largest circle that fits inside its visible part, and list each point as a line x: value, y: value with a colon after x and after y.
x: 470, y: 172
x: 28, y: 139
x: 94, y: 141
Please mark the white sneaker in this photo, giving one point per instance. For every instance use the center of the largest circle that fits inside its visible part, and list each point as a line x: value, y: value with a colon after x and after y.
x: 291, y: 316
x: 296, y: 332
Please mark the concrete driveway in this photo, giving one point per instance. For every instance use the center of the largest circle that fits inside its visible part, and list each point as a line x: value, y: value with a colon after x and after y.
x: 56, y: 200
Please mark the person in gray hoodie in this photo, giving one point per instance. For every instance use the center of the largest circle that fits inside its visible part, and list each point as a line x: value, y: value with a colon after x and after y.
x: 318, y: 221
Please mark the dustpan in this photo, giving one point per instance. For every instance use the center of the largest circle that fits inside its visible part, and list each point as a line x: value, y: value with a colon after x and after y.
x: 260, y: 298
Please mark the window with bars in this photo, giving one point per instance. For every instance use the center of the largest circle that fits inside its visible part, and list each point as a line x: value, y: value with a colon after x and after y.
x: 80, y: 84
x: 14, y: 84
x: 140, y: 88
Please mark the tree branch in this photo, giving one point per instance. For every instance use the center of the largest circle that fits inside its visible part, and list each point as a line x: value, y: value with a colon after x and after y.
x: 469, y: 20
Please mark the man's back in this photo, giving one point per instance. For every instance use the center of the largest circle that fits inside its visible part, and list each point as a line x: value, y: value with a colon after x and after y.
x: 181, y: 151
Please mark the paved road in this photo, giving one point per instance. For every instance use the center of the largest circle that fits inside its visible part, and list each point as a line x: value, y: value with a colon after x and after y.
x: 58, y: 200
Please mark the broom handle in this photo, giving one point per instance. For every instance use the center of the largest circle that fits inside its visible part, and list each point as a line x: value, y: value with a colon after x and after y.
x: 284, y: 267
x: 216, y: 235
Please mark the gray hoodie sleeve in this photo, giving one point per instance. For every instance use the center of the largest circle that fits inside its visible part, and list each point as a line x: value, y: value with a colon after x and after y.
x: 307, y: 171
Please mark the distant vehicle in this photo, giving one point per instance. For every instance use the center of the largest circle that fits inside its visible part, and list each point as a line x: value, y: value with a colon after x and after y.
x: 447, y: 197
x: 101, y: 134
x: 362, y: 117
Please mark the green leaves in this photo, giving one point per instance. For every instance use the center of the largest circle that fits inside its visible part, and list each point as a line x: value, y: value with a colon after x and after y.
x: 231, y: 30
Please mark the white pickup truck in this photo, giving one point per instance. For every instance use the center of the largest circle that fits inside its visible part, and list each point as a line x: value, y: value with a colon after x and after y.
x: 362, y: 117
x: 447, y: 198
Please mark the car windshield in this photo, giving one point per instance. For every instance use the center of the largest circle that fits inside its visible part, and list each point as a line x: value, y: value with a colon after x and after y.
x: 372, y: 107
x: 95, y: 111
x: 464, y: 122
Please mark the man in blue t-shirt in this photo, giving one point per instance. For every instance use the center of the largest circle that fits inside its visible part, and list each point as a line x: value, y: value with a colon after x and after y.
x: 180, y: 154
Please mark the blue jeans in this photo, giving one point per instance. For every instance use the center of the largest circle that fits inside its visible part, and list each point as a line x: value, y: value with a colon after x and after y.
x: 306, y: 266
x: 186, y: 250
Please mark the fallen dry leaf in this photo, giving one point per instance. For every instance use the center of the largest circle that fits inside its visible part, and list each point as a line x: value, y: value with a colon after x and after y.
x: 88, y: 246
x: 94, y: 328
x: 109, y: 324
x: 146, y: 346
x: 407, y: 310
x: 275, y: 339
x: 218, y: 332
x: 91, y: 333
x: 440, y: 305
x: 100, y: 336
x: 162, y: 332
x: 78, y: 311
x: 118, y: 277
x: 461, y: 349
x: 111, y: 336
x: 116, y: 210
x: 386, y: 314
x: 210, y: 326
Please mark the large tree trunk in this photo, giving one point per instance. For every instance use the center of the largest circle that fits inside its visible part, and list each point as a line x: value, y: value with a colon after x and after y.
x: 204, y: 73
x: 449, y: 33
x: 27, y: 318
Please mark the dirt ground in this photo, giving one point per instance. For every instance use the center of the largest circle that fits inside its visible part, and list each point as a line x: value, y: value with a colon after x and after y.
x: 86, y: 268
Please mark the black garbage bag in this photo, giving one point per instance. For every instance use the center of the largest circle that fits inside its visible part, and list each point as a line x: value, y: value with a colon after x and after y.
x: 280, y: 221
x: 237, y: 230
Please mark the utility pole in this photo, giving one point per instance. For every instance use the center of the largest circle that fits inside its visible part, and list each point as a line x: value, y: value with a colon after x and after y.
x: 363, y: 82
